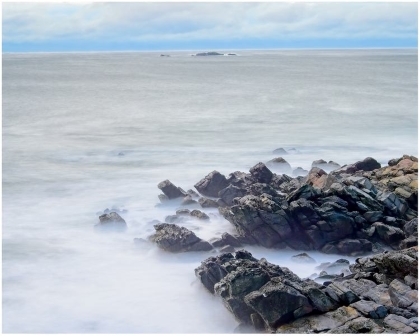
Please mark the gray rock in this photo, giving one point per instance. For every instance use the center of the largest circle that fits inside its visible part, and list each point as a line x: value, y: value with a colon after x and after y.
x: 341, y: 293
x: 401, y: 295
x: 299, y: 171
x: 212, y: 184
x: 360, y: 325
x: 111, y: 222
x: 170, y: 190
x: 319, y: 323
x: 280, y: 164
x: 261, y: 173
x: 208, y: 203
x: 199, y: 214
x: 227, y: 248
x: 280, y: 151
x: 370, y: 309
x: 226, y: 239
x: 173, y: 238
x: 290, y: 303
x: 398, y: 324
x: 231, y: 192
x: 410, y: 228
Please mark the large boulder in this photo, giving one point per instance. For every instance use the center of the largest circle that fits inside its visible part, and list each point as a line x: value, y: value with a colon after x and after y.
x: 173, y: 238
x: 261, y: 173
x: 212, y: 184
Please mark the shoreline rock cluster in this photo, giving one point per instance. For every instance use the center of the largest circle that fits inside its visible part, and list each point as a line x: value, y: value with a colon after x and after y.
x: 379, y: 296
x: 359, y: 209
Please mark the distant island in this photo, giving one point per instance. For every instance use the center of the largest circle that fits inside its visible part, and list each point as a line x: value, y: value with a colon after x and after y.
x: 163, y: 55
x: 212, y: 53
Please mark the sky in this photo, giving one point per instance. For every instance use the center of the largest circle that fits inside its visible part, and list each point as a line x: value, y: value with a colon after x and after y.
x: 54, y: 27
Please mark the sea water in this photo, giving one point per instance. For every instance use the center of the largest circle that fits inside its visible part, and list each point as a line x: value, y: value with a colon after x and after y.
x: 83, y: 132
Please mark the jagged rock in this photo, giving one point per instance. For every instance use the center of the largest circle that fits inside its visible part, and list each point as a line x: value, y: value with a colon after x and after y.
x: 303, y: 258
x: 360, y: 287
x: 241, y: 179
x: 226, y: 239
x: 379, y: 294
x: 229, y: 193
x: 199, y: 214
x: 170, y: 190
x: 408, y: 242
x: 401, y: 295
x: 316, y: 177
x: 290, y: 303
x: 319, y: 323
x: 360, y: 325
x: 192, y: 193
x: 212, y: 184
x: 354, y: 246
x: 392, y: 264
x: 367, y: 164
x: 411, y: 281
x: 111, y: 222
x: 261, y: 173
x: 398, y: 324
x: 389, y: 234
x: 173, y: 238
x: 410, y: 228
x: 370, y: 309
x: 208, y: 203
x: 341, y: 293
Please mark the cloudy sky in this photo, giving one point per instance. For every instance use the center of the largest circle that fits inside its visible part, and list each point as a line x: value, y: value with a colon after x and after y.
x: 204, y: 26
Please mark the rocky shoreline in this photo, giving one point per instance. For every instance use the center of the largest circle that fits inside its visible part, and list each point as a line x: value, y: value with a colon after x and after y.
x: 360, y: 209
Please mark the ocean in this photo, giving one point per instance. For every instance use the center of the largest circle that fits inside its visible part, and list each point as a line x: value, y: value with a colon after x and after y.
x: 83, y: 132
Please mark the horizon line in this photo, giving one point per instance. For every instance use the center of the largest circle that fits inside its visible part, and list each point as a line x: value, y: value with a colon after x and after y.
x: 201, y: 50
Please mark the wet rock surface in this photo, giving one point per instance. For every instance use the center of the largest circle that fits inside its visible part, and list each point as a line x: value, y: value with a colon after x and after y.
x: 266, y: 297
x: 360, y: 209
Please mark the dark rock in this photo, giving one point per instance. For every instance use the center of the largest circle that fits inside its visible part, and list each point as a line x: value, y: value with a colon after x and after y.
x: 209, y: 53
x: 389, y: 234
x: 212, y: 184
x: 368, y: 164
x: 199, y: 214
x: 241, y: 179
x: 173, y: 238
x: 303, y: 258
x: 111, y: 222
x: 411, y: 281
x: 290, y: 303
x: 341, y: 293
x: 354, y: 246
x: 163, y: 198
x: 360, y: 287
x: 229, y: 193
x: 261, y: 173
x: 208, y: 203
x: 183, y: 212
x: 408, y: 242
x: 410, y: 228
x: 370, y: 309
x: 170, y: 190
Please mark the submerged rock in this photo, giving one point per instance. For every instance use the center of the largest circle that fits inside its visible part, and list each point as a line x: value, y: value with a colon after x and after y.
x: 170, y: 190
x: 111, y: 222
x: 303, y: 258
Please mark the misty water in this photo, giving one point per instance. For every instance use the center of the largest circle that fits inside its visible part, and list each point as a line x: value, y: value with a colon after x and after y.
x: 83, y: 132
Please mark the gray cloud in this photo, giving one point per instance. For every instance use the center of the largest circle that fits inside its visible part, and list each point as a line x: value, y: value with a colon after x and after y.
x: 164, y: 21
